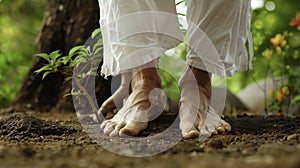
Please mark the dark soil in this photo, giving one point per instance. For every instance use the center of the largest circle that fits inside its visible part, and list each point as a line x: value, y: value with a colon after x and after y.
x: 59, y: 140
x: 24, y: 125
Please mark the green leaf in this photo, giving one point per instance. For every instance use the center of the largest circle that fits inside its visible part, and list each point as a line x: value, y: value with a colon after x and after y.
x: 66, y: 60
x: 295, y: 100
x: 95, y: 32
x: 73, y: 93
x: 45, y: 74
x: 173, y: 90
x: 72, y: 64
x: 54, y: 55
x: 82, y: 75
x: 68, y: 94
x: 97, y: 45
x: 173, y: 97
x: 58, y: 63
x: 68, y: 78
x: 74, y: 50
x: 45, y: 68
x: 98, y: 51
x: 92, y: 73
x: 44, y: 55
x: 97, y: 59
x: 76, y: 93
x: 79, y: 60
x: 84, y: 51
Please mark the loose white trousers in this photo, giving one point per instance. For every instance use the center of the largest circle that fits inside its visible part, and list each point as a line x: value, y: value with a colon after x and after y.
x: 136, y: 32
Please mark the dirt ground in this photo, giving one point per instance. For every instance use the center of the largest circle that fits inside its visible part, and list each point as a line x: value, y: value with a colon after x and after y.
x: 36, y: 140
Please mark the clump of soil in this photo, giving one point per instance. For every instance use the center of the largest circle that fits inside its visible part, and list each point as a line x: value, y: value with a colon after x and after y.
x: 24, y: 125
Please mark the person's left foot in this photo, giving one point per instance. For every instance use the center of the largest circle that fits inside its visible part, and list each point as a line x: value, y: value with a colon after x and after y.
x: 197, y: 118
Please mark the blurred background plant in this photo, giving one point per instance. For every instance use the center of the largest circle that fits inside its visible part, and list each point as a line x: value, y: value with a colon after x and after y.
x: 276, y: 36
x: 20, y: 23
x: 276, y: 40
x: 282, y: 60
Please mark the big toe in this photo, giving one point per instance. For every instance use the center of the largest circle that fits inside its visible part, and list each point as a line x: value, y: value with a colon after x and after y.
x: 127, y: 132
x: 191, y: 134
x: 133, y: 129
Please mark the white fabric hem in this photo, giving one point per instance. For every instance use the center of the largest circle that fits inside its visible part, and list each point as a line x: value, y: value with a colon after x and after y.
x: 128, y: 36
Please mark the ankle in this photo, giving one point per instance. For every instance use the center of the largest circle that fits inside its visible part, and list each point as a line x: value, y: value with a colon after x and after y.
x: 147, y: 76
x: 203, y: 79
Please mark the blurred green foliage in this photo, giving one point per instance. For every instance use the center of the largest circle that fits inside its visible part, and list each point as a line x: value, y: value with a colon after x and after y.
x: 266, y: 23
x: 276, y: 54
x: 20, y: 23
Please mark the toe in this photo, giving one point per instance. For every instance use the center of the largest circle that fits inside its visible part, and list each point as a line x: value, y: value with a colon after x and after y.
x: 213, y: 131
x: 225, y: 125
x: 209, y: 129
x: 117, y: 129
x: 107, y: 106
x: 114, y: 133
x: 102, y: 126
x: 133, y: 128
x: 106, y: 123
x: 98, y: 117
x: 220, y: 129
x: 191, y: 134
x: 109, y: 128
x: 126, y: 132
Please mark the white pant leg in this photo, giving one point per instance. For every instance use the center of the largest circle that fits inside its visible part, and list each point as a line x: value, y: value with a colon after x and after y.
x: 136, y: 32
x: 217, y: 34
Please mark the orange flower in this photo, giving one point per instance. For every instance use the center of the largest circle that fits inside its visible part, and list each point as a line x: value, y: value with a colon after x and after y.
x: 296, y: 21
x: 280, y: 95
x: 278, y: 40
x: 283, y: 91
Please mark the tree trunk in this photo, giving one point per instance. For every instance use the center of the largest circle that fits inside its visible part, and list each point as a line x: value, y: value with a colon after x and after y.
x: 67, y: 23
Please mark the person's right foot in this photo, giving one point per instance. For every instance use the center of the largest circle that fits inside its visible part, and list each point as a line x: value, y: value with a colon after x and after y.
x: 140, y: 106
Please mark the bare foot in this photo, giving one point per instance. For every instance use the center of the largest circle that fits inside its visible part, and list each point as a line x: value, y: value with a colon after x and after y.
x: 197, y: 118
x: 140, y: 106
x: 117, y: 98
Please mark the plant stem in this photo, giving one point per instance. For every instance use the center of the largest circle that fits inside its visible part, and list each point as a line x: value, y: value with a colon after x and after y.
x: 90, y: 100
